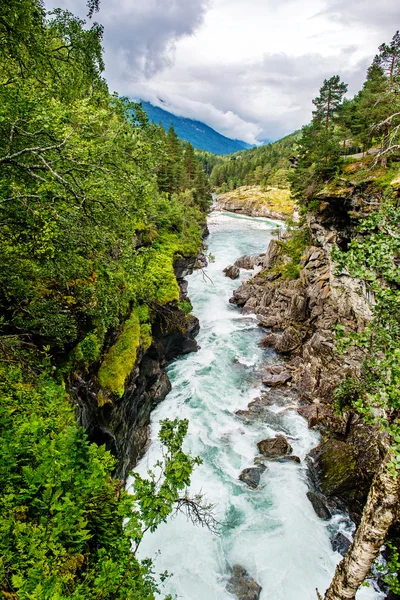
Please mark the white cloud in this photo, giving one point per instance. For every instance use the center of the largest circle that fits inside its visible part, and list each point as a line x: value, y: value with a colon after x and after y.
x: 248, y: 68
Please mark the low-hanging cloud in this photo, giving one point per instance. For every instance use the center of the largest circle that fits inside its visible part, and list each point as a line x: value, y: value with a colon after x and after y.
x: 254, y: 95
x: 253, y: 101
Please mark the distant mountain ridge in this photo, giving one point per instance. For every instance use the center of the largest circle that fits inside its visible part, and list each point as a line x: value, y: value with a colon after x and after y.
x: 197, y: 133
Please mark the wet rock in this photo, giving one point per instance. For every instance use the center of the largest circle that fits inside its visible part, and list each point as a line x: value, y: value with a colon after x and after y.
x: 277, y: 446
x: 184, y: 266
x: 241, y: 295
x: 340, y: 543
x: 335, y: 470
x: 252, y: 475
x: 290, y: 339
x: 258, y: 411
x: 246, y: 262
x: 319, y: 506
x: 201, y: 259
x: 335, y: 465
x: 232, y: 271
x: 242, y: 585
x: 183, y: 287
x: 291, y: 458
x: 276, y: 379
x: 273, y: 253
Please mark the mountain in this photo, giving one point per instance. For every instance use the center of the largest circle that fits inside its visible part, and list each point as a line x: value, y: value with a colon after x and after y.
x: 198, y: 134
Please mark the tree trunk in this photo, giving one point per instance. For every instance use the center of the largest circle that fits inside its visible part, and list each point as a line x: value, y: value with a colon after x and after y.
x: 380, y: 511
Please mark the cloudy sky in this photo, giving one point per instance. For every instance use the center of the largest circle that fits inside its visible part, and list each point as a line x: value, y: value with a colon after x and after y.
x: 247, y: 68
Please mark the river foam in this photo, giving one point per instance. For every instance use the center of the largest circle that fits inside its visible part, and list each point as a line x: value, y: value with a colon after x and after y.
x: 273, y: 531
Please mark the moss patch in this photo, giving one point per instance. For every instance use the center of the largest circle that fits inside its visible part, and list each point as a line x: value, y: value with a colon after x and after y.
x: 275, y: 199
x: 121, y: 357
x: 339, y: 467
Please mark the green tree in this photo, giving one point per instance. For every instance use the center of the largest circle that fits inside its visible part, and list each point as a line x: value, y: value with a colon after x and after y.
x: 328, y: 102
x: 320, y: 153
x: 189, y: 162
x: 61, y: 513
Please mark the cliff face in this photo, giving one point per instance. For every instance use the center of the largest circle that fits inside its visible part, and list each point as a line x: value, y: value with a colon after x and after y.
x: 272, y: 203
x: 300, y: 316
x: 123, y: 424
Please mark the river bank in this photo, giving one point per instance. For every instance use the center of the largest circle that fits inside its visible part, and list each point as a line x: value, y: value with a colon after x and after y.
x: 254, y: 201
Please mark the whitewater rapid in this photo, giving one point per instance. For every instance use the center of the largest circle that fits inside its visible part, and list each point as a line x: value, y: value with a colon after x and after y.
x: 273, y: 531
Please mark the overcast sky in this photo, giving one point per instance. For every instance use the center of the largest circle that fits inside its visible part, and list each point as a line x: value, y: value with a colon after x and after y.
x: 247, y: 68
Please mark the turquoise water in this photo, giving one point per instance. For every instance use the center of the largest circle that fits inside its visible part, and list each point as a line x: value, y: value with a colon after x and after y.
x: 273, y: 531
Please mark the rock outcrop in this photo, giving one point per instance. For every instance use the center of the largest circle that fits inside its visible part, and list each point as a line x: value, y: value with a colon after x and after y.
x: 300, y: 316
x: 232, y: 271
x: 242, y: 586
x: 273, y: 202
x: 123, y: 424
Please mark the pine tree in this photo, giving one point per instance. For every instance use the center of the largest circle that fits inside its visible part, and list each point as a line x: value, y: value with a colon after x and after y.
x: 329, y: 100
x: 189, y: 161
x: 388, y: 60
x: 320, y: 152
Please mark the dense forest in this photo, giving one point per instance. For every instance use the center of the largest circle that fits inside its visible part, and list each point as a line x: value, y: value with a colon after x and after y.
x: 266, y: 166
x: 96, y: 203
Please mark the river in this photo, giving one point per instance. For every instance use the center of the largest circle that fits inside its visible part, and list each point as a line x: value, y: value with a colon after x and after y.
x: 273, y: 531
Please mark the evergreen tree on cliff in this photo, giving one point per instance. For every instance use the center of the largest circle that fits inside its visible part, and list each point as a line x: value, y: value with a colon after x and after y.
x: 320, y: 152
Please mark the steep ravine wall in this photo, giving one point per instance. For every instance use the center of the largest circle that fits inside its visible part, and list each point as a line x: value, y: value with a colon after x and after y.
x: 123, y: 424
x: 300, y: 317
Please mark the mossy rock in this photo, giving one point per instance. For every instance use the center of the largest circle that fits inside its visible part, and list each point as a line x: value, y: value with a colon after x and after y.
x: 120, y: 359
x: 336, y: 469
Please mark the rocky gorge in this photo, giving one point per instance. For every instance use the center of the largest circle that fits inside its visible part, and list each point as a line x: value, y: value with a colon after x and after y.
x: 300, y: 317
x: 242, y: 405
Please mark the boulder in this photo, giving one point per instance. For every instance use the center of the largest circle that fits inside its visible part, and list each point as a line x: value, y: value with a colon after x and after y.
x: 252, y: 475
x: 242, y: 586
x: 232, y: 271
x: 258, y: 410
x: 246, y: 262
x: 241, y: 295
x: 340, y: 543
x: 319, y: 506
x: 277, y: 446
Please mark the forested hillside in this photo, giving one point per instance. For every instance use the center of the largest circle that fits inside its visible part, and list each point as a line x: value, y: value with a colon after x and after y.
x: 95, y: 205
x: 266, y: 166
